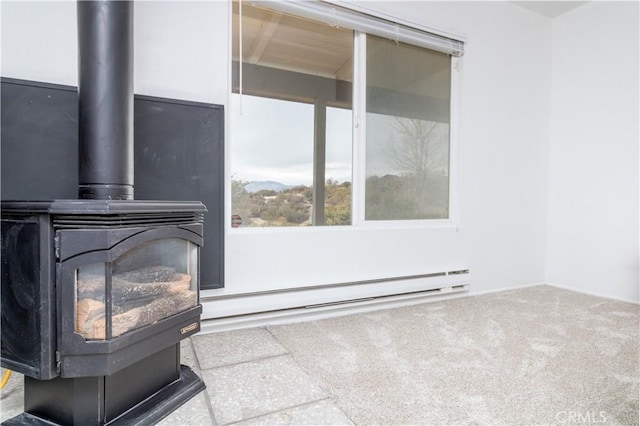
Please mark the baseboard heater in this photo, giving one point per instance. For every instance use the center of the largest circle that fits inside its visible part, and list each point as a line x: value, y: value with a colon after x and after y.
x: 434, y: 292
x: 328, y: 295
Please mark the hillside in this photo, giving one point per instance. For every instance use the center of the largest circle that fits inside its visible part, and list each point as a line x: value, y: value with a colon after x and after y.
x: 275, y: 204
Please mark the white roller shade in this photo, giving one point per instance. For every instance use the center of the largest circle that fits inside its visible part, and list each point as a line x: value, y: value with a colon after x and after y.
x: 344, y: 17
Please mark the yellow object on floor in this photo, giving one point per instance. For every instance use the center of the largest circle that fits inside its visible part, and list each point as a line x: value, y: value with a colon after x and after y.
x: 5, y: 379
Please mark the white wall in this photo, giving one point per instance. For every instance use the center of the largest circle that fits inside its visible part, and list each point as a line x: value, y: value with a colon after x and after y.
x: 182, y: 52
x: 593, y: 176
x: 178, y: 46
x: 504, y: 110
x: 39, y: 41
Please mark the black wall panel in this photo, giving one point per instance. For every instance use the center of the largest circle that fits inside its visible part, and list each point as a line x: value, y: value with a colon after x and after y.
x: 179, y: 154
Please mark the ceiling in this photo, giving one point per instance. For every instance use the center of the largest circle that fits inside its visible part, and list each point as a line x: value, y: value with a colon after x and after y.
x: 284, y: 42
x: 280, y: 41
x: 550, y: 9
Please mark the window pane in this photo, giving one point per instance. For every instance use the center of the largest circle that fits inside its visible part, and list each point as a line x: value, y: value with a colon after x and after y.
x: 272, y: 162
x: 407, y: 147
x: 290, y: 120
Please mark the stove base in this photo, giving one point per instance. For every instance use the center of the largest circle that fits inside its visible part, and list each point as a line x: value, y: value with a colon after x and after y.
x: 142, y: 394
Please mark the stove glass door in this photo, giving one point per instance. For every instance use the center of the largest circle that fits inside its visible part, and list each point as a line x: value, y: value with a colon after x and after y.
x: 148, y: 283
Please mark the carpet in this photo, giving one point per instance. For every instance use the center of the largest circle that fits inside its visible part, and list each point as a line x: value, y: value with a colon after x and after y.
x: 537, y: 355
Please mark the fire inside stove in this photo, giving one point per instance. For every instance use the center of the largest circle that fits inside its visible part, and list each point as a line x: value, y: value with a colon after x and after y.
x: 149, y: 283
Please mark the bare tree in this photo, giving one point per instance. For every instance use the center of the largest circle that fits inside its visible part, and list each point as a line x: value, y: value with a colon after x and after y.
x: 418, y: 151
x: 411, y: 148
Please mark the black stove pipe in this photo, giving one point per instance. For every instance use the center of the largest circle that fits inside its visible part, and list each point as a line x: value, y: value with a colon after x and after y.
x: 105, y: 109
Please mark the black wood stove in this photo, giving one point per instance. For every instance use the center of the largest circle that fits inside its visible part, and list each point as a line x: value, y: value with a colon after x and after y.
x: 97, y: 293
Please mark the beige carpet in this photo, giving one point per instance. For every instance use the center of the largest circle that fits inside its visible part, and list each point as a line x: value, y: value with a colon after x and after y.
x: 539, y: 355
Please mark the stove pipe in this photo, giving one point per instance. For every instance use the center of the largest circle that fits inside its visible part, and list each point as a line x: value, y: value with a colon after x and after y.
x: 105, y: 109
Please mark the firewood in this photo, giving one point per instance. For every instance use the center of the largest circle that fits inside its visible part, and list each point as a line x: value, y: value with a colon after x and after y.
x: 91, y: 287
x: 129, y: 285
x: 88, y: 312
x: 167, y: 306
x: 148, y: 274
x: 123, y: 289
x: 94, y: 326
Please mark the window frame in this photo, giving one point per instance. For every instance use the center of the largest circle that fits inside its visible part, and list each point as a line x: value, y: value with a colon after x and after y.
x: 360, y: 129
x: 358, y: 180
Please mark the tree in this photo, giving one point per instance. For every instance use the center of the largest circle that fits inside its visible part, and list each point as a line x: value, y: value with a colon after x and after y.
x: 419, y: 151
x: 337, y: 203
x: 240, y: 199
x: 414, y: 146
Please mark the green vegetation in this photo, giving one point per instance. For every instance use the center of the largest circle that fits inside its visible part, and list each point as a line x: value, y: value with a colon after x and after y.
x: 389, y: 197
x: 290, y: 207
x: 337, y: 206
x: 392, y: 197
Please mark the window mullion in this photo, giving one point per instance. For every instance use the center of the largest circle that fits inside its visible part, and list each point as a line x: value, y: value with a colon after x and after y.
x: 359, y: 126
x: 319, y: 161
x: 454, y: 140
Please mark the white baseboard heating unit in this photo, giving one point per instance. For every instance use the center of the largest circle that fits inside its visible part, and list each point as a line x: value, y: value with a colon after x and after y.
x: 398, y: 291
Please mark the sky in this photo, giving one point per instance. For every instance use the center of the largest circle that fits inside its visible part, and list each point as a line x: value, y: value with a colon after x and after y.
x: 272, y: 140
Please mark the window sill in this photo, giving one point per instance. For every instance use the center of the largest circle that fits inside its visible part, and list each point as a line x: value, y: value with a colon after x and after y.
x: 363, y: 226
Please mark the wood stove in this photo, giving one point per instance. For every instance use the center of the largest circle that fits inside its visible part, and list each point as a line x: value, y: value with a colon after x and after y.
x: 96, y: 296
x: 97, y: 293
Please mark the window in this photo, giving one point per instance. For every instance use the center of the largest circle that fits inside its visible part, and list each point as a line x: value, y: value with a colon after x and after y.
x: 292, y: 109
x: 291, y: 120
x: 407, y: 143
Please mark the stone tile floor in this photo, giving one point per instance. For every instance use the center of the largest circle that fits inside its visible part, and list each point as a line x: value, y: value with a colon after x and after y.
x: 251, y: 379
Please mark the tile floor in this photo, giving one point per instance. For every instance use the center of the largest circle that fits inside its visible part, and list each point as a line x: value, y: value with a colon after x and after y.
x: 251, y: 379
